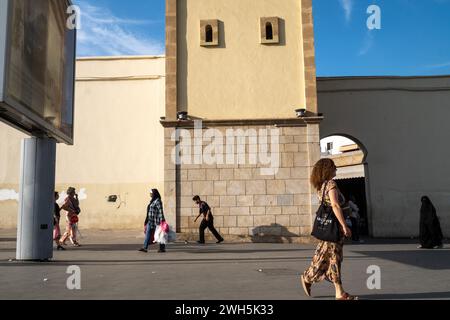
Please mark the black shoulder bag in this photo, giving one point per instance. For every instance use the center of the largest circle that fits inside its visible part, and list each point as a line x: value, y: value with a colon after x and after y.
x: 326, y: 225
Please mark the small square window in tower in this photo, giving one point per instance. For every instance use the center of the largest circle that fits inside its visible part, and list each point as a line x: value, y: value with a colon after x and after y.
x: 270, y: 30
x: 209, y: 33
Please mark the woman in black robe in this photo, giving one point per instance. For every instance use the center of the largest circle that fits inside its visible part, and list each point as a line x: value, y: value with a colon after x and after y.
x: 430, y: 228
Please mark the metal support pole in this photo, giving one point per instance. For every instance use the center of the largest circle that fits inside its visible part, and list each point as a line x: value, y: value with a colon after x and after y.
x: 36, y: 203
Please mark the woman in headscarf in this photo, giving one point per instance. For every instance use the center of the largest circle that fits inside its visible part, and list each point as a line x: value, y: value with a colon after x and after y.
x: 430, y: 228
x: 154, y: 217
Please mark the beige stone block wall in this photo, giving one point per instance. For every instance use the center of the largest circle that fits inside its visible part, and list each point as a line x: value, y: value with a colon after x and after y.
x: 245, y: 203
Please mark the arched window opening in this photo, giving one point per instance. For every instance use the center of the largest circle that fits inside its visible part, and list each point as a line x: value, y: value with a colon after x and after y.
x: 209, y: 34
x: 269, y: 31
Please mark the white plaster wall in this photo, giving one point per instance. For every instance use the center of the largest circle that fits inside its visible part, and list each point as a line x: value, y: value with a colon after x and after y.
x: 403, y: 123
x: 119, y: 144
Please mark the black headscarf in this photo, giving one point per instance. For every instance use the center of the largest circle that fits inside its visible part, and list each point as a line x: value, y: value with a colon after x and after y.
x: 430, y: 229
x: 427, y: 211
x: 155, y: 195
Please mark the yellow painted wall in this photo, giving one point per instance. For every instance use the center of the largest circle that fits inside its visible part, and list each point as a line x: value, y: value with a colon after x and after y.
x: 240, y: 79
x: 119, y: 143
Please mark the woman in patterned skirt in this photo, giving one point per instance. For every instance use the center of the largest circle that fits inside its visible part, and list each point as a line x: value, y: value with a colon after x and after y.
x: 327, y: 261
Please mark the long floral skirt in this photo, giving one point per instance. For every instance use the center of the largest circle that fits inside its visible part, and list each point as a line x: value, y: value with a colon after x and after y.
x: 326, y: 264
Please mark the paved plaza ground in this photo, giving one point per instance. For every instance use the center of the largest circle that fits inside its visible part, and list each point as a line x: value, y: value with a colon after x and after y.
x: 112, y: 268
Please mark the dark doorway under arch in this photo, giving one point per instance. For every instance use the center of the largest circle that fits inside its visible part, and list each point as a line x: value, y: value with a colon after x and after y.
x: 350, y: 156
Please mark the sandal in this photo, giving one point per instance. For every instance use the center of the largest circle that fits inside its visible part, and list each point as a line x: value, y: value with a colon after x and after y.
x: 306, y: 286
x: 346, y: 296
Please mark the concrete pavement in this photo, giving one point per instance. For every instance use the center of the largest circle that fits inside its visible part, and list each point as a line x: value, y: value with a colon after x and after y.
x: 112, y: 268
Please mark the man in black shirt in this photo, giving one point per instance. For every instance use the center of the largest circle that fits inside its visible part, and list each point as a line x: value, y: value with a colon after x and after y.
x: 208, y: 220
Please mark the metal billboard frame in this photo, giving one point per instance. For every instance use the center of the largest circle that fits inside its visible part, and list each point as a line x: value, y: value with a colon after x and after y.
x: 13, y: 112
x: 3, y: 40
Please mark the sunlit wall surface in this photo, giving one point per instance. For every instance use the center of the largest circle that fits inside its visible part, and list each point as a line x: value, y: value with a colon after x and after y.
x: 40, y: 66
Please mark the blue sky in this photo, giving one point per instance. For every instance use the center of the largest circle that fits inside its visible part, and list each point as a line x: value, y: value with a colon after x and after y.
x: 414, y: 38
x: 118, y: 27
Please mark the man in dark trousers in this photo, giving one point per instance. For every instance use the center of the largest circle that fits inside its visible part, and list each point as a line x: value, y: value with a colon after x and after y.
x: 208, y: 220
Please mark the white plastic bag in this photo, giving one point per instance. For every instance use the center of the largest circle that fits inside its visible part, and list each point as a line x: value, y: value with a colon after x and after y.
x: 160, y: 236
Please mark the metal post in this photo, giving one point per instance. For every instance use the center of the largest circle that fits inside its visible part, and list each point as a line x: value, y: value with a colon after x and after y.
x: 37, y: 185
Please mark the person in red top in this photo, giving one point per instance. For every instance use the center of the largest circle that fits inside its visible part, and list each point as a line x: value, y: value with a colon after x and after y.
x: 207, y: 222
x: 72, y: 206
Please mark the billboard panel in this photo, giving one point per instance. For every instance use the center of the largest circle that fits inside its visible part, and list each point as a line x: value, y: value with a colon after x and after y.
x: 40, y: 68
x: 3, y: 26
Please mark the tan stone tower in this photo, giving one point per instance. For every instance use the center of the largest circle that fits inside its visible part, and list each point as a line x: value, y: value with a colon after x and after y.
x: 240, y: 69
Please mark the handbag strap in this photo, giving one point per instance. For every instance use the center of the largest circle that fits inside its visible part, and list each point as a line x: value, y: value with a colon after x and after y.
x: 324, y: 190
x: 323, y: 200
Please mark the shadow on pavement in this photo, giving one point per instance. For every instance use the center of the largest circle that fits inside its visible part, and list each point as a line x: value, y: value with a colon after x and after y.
x: 275, y: 233
x: 388, y: 241
x: 187, y: 248
x: 426, y: 259
x: 149, y: 261
x: 176, y: 247
x: 407, y: 296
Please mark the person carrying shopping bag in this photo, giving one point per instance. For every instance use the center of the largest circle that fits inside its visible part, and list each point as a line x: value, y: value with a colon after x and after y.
x: 330, y: 230
x: 154, y: 217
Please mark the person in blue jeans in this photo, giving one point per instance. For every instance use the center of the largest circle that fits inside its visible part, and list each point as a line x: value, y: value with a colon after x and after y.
x: 155, y: 215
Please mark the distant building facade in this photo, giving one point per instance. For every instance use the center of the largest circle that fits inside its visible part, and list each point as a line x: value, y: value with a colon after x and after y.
x: 242, y: 68
x: 400, y: 123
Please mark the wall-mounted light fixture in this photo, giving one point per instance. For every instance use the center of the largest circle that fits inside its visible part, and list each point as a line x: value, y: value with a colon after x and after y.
x: 300, y: 112
x: 112, y: 198
x: 182, y: 116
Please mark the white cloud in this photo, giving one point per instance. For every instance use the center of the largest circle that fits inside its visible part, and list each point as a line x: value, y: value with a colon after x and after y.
x: 347, y: 5
x: 438, y: 66
x: 104, y: 34
x: 369, y: 41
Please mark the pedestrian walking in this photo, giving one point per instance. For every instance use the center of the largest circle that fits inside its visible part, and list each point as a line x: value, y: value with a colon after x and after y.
x: 154, y: 217
x: 207, y: 222
x: 72, y: 206
x: 430, y: 229
x: 354, y: 218
x: 56, y: 219
x: 327, y: 261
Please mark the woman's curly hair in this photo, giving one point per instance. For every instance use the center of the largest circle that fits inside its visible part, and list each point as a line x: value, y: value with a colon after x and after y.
x: 323, y: 171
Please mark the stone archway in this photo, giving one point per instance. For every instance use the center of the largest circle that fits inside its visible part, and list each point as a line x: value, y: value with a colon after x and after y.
x: 350, y: 156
